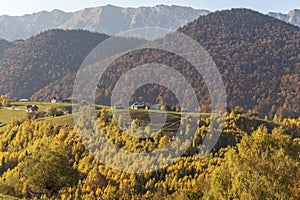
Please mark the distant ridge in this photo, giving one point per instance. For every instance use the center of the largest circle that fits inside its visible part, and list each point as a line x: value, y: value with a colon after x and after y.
x: 292, y: 17
x: 108, y: 19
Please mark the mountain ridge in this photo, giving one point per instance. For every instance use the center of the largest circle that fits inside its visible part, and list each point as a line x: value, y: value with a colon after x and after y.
x: 108, y: 19
x: 292, y: 17
x: 95, y: 19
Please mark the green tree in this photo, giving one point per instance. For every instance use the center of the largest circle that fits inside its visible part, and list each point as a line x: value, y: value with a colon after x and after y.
x: 52, y: 111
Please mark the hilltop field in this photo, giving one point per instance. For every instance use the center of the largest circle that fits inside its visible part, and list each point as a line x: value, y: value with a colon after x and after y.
x: 64, y: 117
x: 17, y: 110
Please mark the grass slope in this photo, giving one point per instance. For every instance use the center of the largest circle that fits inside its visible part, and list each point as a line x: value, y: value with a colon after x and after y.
x: 7, y: 115
x: 17, y: 111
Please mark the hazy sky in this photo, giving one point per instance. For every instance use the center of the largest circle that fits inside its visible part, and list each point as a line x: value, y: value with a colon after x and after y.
x: 21, y: 7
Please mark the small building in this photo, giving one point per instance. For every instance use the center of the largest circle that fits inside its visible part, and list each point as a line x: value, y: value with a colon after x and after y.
x: 23, y: 100
x: 56, y: 100
x: 59, y: 100
x: 32, y: 109
x: 138, y: 105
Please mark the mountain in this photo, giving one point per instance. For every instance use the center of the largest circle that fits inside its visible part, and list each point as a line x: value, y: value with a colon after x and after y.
x: 108, y: 19
x: 292, y: 17
x: 257, y: 56
x: 28, y: 66
x: 45, y: 65
x: 100, y: 19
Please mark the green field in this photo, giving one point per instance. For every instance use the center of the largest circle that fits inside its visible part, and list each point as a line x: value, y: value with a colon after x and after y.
x: 42, y: 105
x: 65, y: 120
x: 17, y: 111
x: 6, y: 116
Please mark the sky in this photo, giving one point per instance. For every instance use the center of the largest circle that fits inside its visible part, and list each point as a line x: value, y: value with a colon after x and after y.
x: 21, y: 7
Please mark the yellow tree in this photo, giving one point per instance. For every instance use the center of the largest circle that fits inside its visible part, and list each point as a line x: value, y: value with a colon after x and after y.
x: 263, y: 167
x: 4, y: 100
x: 47, y: 170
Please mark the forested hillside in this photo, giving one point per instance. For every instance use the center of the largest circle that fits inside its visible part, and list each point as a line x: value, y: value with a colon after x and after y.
x: 43, y: 60
x: 4, y: 45
x: 258, y: 57
x: 260, y: 160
